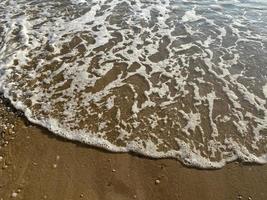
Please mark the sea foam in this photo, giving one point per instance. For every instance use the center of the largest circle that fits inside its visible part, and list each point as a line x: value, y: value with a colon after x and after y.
x: 166, y: 79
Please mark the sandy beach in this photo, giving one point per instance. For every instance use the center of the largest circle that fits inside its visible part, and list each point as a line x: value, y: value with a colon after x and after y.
x: 36, y: 164
x: 183, y: 80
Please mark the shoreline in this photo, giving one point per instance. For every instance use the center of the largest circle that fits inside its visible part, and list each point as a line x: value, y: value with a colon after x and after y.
x: 36, y: 164
x: 20, y: 113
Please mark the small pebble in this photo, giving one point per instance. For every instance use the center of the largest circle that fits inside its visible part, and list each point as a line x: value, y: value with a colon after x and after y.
x: 239, y: 197
x: 114, y: 170
x: 1, y: 158
x: 4, y: 167
x: 14, y: 194
x: 157, y: 181
x: 81, y: 195
x: 54, y: 165
x: 134, y: 196
x: 249, y: 198
x: 58, y: 157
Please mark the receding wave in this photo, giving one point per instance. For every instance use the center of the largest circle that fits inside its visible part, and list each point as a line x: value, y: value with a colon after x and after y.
x: 163, y: 78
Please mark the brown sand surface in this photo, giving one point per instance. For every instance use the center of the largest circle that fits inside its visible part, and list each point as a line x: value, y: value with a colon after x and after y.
x: 35, y: 165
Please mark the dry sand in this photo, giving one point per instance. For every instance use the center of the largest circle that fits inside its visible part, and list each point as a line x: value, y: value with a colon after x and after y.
x: 35, y: 165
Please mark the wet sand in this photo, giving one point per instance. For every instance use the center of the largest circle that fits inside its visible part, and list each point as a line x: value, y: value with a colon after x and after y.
x: 36, y: 164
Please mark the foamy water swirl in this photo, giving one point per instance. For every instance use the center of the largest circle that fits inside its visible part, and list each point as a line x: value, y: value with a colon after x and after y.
x: 180, y: 79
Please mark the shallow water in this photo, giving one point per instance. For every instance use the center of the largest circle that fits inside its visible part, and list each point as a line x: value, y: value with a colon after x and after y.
x: 180, y: 79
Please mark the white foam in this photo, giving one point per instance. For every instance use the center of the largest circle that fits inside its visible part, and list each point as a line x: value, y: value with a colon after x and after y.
x: 192, y: 75
x: 264, y: 89
x: 191, y: 16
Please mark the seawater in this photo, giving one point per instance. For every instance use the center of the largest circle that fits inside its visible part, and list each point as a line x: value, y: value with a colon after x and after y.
x: 163, y: 78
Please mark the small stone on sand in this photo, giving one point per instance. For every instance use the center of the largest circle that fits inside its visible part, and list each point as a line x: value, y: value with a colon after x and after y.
x: 239, y: 197
x: 14, y: 194
x: 4, y: 167
x: 157, y: 181
x: 114, y: 170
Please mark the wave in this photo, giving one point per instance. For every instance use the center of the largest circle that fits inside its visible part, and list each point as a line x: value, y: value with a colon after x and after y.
x: 177, y: 79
